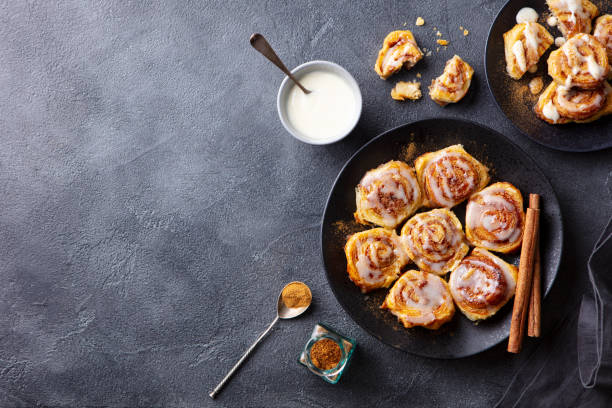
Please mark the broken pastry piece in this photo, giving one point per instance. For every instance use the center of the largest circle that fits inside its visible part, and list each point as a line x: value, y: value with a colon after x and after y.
x: 399, y: 50
x: 559, y: 105
x: 573, y: 16
x: 582, y: 62
x: 406, y: 90
x: 524, y: 44
x: 454, y: 82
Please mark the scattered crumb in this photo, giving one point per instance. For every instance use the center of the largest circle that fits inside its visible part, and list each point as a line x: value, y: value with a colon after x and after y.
x: 420, y: 21
x: 442, y: 42
x: 559, y: 41
x: 437, y: 49
x: 406, y: 90
x: 408, y: 152
x: 536, y: 85
x: 418, y: 74
x: 465, y: 32
x: 404, y: 24
x: 435, y: 28
x: 428, y: 53
x: 533, y: 69
x: 439, y: 34
x: 461, y: 27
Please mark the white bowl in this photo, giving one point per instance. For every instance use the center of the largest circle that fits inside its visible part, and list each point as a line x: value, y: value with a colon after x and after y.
x: 298, y: 72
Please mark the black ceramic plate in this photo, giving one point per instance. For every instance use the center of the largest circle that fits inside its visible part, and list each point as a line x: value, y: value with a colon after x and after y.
x: 460, y: 337
x: 515, y: 100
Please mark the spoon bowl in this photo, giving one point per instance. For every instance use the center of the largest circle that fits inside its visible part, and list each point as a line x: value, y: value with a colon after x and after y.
x: 285, y: 312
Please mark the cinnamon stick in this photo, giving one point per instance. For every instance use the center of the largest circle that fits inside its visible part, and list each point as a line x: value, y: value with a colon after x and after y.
x: 535, y: 304
x: 523, y: 286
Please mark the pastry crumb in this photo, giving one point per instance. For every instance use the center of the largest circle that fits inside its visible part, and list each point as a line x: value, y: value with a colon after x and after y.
x: 437, y: 49
x: 442, y: 42
x: 404, y: 24
x: 406, y: 90
x: 418, y: 74
x: 536, y: 85
x: 465, y: 32
x: 428, y: 53
x: 439, y: 34
x: 420, y: 21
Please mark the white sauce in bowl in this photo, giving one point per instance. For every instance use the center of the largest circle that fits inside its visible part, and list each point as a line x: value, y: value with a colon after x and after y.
x: 526, y: 15
x: 328, y: 111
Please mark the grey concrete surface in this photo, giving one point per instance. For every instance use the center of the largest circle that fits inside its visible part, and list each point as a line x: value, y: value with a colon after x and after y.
x: 153, y: 206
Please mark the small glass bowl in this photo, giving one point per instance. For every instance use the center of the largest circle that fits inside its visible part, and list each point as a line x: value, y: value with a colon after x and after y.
x: 347, y: 346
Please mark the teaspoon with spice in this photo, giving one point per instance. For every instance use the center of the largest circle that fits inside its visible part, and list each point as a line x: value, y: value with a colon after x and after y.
x: 293, y: 300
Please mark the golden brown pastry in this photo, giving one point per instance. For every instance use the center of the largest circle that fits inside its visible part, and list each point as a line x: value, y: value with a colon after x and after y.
x: 434, y: 241
x: 374, y: 258
x: 558, y: 105
x: 524, y: 44
x: 482, y: 284
x: 603, y: 33
x: 420, y: 299
x: 399, y: 49
x: 582, y: 62
x: 573, y: 16
x: 387, y: 195
x: 449, y: 176
x: 494, y: 218
x: 454, y: 82
x: 406, y: 90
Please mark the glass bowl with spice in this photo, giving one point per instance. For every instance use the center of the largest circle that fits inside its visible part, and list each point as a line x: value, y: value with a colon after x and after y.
x: 327, y: 353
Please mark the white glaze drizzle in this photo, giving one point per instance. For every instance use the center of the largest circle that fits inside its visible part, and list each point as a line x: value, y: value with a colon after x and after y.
x: 423, y: 293
x: 440, y: 192
x: 519, y: 54
x: 368, y: 267
x: 526, y: 14
x: 550, y: 112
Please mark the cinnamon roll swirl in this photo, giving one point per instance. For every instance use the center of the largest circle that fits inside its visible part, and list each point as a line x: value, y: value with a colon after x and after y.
x: 374, y: 258
x: 449, y: 176
x: 399, y: 50
x: 581, y: 62
x: 573, y: 16
x: 524, y: 44
x: 482, y: 284
x: 387, y: 195
x: 603, y: 34
x: 558, y: 105
x: 494, y: 218
x: 420, y: 299
x: 453, y: 84
x: 434, y: 241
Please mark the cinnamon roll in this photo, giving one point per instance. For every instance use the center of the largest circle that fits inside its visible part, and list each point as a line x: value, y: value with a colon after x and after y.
x: 524, y: 44
x: 573, y: 16
x: 603, y: 34
x: 399, y: 49
x: 482, y: 284
x: 558, y: 105
x: 387, y: 195
x: 453, y: 84
x: 420, y: 299
x: 581, y: 62
x: 494, y: 218
x: 434, y: 241
x: 449, y: 176
x: 374, y: 258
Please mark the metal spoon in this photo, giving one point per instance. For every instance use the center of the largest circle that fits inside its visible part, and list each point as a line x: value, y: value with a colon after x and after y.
x: 260, y: 44
x: 282, y: 312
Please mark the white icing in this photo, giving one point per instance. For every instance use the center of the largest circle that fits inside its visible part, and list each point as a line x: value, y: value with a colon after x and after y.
x: 519, y: 54
x: 552, y: 21
x: 559, y: 41
x: 595, y: 69
x: 443, y: 193
x: 526, y: 14
x: 550, y: 112
x: 423, y: 293
x: 574, y: 7
x: 531, y: 37
x: 370, y: 254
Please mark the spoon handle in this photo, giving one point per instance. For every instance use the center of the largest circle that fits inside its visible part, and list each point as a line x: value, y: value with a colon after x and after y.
x: 246, y: 354
x: 260, y: 44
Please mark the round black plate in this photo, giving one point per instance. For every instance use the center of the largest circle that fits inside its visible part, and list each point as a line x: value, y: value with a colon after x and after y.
x: 460, y: 337
x: 515, y: 100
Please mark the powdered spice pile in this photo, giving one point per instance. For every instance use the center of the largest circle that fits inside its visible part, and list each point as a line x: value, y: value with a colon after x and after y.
x: 325, y: 354
x: 296, y: 294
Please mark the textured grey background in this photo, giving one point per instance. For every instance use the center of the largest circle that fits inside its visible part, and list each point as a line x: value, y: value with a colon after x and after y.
x: 153, y: 206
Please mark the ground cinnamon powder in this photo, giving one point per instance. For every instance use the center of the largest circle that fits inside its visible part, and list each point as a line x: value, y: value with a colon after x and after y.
x: 325, y: 354
x: 296, y: 294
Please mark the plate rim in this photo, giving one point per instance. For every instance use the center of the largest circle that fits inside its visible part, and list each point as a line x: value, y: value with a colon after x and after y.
x: 555, y: 272
x: 485, y: 55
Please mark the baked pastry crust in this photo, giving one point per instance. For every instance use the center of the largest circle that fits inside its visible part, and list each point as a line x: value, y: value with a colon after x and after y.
x: 603, y: 34
x: 582, y: 62
x: 482, y: 284
x: 524, y: 44
x: 494, y: 218
x: 406, y: 90
x: 387, y: 195
x: 420, y: 299
x: 374, y: 258
x: 558, y: 105
x: 434, y: 240
x: 449, y: 176
x: 573, y: 16
x: 453, y: 84
x: 399, y: 50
